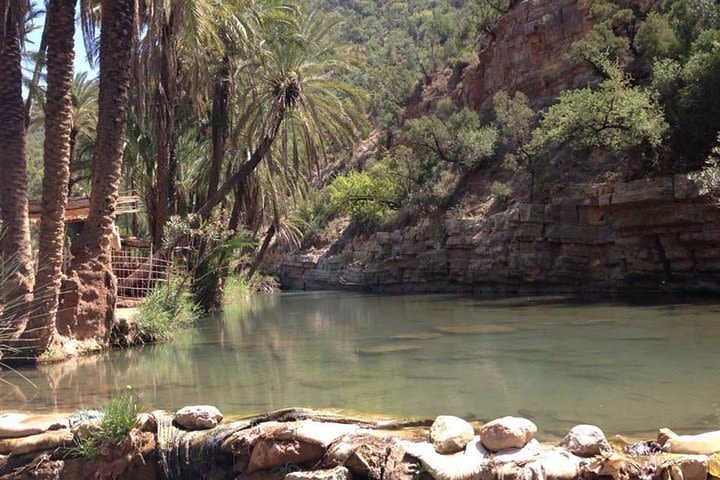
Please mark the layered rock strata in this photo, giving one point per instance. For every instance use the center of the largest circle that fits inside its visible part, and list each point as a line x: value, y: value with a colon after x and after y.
x: 653, y: 235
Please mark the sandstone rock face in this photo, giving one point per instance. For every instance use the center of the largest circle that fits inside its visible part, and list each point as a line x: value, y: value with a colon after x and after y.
x: 507, y: 432
x: 585, y: 441
x: 337, y: 473
x: 198, y: 417
x: 528, y: 53
x: 450, y: 434
x: 648, y: 235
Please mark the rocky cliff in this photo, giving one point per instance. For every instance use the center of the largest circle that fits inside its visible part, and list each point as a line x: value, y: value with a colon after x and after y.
x: 649, y: 235
x: 527, y: 51
x: 655, y: 234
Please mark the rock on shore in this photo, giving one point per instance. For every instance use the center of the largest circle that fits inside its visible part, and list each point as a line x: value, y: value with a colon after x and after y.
x: 450, y: 434
x: 507, y: 432
x: 198, y: 417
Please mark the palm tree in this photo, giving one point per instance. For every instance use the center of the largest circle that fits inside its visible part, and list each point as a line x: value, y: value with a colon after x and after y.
x: 84, y: 121
x: 56, y: 172
x: 13, y: 168
x: 180, y: 37
x: 95, y: 281
x: 291, y: 92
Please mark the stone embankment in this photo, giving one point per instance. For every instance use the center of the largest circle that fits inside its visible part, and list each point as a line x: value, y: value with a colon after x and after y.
x: 653, y: 235
x: 196, y: 443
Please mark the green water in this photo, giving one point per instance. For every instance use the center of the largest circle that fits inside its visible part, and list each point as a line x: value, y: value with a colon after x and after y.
x: 629, y: 368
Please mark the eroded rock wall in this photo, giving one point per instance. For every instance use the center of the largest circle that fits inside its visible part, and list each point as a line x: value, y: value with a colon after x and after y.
x: 528, y: 52
x: 648, y: 235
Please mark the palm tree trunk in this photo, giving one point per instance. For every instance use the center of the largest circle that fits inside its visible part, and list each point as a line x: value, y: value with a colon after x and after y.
x: 13, y: 176
x: 263, y: 250
x: 244, y: 171
x: 96, y: 284
x: 56, y: 174
x: 219, y: 132
x: 234, y: 221
x: 37, y: 72
x: 166, y: 101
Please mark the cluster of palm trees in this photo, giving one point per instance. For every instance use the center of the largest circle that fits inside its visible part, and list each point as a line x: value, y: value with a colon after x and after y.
x: 201, y: 104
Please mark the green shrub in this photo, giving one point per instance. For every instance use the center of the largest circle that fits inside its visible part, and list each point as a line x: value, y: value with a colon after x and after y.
x: 708, y: 179
x: 500, y: 190
x: 169, y: 308
x: 85, y: 447
x: 238, y: 287
x: 120, y: 417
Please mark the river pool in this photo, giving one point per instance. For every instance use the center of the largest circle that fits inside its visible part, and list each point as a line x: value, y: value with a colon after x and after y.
x: 628, y: 367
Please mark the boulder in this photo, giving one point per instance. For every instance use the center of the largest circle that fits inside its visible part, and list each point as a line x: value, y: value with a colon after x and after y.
x: 337, y: 473
x: 198, y: 417
x: 694, y: 467
x: 368, y: 459
x: 147, y: 422
x: 558, y: 464
x: 450, y: 434
x: 507, y: 432
x: 529, y: 452
x: 585, y: 441
x: 268, y: 454
x: 665, y: 434
x: 36, y: 443
x: 702, y: 444
x: 17, y: 425
x: 399, y: 465
x: 471, y: 463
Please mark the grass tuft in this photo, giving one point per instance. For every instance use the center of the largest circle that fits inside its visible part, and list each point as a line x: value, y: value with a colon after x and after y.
x: 120, y: 417
x: 168, y: 309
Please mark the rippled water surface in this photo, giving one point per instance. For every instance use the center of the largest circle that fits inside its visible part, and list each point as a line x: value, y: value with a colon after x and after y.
x: 629, y: 368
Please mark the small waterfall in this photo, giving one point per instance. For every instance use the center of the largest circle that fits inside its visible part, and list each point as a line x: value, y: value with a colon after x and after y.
x: 184, y: 455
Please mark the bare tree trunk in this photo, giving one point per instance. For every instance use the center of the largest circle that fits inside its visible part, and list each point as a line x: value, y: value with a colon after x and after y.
x: 60, y: 29
x: 93, y: 278
x: 13, y: 177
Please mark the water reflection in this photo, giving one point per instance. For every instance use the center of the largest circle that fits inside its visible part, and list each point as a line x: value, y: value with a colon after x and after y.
x: 626, y: 368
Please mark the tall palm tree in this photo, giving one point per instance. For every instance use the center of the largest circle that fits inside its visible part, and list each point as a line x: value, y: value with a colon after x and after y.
x: 95, y: 281
x: 180, y: 37
x: 292, y: 93
x: 13, y: 167
x: 84, y: 121
x: 56, y: 170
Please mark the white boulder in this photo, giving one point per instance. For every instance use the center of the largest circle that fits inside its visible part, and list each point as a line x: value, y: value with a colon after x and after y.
x: 450, y: 434
x: 585, y: 441
x: 198, y: 417
x: 507, y: 432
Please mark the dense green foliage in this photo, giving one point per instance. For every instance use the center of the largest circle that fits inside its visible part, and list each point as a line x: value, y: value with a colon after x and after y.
x: 168, y: 309
x: 404, y: 43
x: 616, y: 116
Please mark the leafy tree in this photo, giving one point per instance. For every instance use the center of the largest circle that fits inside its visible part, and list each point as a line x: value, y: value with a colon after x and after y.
x: 513, y: 119
x: 615, y: 116
x: 656, y: 37
x: 456, y: 137
x: 367, y: 196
